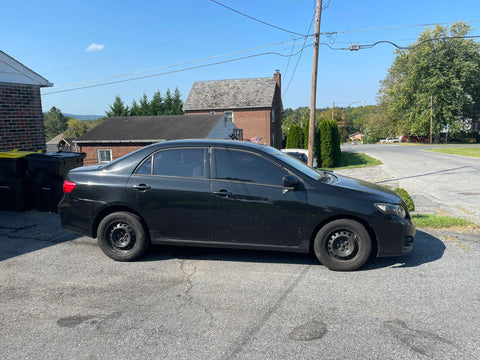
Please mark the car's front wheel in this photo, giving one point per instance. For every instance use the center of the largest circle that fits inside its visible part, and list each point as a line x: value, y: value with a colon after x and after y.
x: 122, y: 237
x: 343, y: 245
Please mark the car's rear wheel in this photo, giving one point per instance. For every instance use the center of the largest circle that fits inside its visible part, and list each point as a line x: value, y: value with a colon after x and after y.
x: 122, y: 237
x: 343, y: 245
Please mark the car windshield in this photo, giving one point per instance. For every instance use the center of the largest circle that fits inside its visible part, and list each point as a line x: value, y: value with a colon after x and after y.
x: 298, y: 164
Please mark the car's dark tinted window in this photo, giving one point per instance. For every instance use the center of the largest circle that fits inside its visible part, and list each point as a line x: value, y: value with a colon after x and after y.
x: 247, y: 166
x: 145, y: 168
x: 179, y: 162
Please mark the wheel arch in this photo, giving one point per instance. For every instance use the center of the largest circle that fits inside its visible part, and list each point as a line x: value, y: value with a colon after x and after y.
x: 371, y: 233
x: 117, y: 208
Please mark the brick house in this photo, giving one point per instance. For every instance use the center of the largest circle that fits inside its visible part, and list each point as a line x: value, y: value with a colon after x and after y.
x: 254, y: 105
x: 121, y: 135
x: 21, y: 116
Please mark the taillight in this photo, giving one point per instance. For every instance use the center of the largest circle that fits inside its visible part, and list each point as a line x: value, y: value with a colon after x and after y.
x: 68, y: 186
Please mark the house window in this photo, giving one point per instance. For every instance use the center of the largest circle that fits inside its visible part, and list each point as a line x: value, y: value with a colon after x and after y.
x: 104, y: 156
x: 273, y: 116
x: 229, y: 115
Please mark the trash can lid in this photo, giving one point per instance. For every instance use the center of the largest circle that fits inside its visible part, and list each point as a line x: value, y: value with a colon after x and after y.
x: 15, y: 154
x: 55, y: 156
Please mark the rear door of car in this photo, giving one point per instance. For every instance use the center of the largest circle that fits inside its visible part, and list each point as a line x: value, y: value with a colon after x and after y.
x: 250, y: 206
x: 172, y: 192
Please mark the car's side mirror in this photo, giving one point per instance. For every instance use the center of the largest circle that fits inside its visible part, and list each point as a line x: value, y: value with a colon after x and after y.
x: 291, y: 182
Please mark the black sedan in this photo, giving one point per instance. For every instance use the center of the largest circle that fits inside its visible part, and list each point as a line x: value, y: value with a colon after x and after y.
x: 233, y: 194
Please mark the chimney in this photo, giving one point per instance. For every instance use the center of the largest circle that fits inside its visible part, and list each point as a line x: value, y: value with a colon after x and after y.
x: 278, y: 78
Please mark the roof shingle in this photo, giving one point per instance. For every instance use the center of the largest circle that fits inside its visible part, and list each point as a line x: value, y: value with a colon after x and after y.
x: 156, y: 128
x: 231, y: 94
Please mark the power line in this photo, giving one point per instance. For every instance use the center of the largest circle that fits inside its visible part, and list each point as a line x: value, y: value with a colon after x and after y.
x: 357, y: 47
x: 390, y: 28
x: 170, y: 66
x: 174, y: 71
x: 300, y: 56
x: 255, y: 19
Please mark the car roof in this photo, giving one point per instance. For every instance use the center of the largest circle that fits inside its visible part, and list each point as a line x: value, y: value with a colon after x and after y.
x: 214, y: 142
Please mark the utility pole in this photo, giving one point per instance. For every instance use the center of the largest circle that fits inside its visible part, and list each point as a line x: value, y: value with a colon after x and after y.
x: 333, y: 110
x: 313, y: 97
x: 431, y: 118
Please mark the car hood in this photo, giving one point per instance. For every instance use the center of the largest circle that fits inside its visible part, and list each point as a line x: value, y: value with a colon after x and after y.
x: 367, y: 187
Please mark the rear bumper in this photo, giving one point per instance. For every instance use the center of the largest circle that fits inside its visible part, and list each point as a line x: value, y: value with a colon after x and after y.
x: 78, y: 215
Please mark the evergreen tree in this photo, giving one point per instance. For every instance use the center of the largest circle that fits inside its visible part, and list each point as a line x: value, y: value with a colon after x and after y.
x: 168, y: 104
x: 327, y: 147
x: 117, y: 108
x: 177, y: 103
x: 156, y: 104
x: 55, y: 123
x: 134, y: 109
x: 145, y: 108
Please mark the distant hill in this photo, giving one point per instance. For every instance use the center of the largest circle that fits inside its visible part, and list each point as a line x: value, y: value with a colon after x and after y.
x: 83, y: 117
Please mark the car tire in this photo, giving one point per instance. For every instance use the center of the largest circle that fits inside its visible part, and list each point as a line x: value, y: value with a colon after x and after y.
x: 343, y: 245
x: 122, y: 236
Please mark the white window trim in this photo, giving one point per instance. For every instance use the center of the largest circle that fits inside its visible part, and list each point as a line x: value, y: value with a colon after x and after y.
x: 99, y: 157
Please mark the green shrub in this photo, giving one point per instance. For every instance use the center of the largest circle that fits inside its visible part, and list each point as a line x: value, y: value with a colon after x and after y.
x: 406, y: 197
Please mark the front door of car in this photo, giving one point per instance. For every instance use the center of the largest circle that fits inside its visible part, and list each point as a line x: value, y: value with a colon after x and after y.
x: 250, y: 206
x: 172, y: 192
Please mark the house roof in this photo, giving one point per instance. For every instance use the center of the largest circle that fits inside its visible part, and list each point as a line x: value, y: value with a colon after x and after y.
x: 12, y: 71
x: 151, y: 128
x: 231, y: 94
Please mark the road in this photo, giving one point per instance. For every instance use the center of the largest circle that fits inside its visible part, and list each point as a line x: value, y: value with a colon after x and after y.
x: 438, y: 183
x: 61, y: 298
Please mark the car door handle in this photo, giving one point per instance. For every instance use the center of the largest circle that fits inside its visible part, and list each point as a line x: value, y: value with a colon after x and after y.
x: 223, y: 193
x: 142, y: 187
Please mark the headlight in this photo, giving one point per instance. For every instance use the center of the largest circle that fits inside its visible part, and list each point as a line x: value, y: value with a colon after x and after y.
x: 391, y: 209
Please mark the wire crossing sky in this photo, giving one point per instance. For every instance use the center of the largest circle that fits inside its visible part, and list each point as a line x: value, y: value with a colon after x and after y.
x: 93, y: 51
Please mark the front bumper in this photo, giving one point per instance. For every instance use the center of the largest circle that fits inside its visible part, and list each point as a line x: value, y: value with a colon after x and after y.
x: 395, y: 236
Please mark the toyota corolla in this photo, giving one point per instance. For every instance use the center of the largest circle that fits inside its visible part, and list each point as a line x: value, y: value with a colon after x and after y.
x: 233, y: 194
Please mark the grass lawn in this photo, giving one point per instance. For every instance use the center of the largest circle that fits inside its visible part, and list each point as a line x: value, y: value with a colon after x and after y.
x: 355, y: 160
x: 441, y: 222
x: 463, y: 151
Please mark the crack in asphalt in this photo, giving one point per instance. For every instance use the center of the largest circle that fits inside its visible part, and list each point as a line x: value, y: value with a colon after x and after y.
x: 189, y: 297
x: 250, y: 334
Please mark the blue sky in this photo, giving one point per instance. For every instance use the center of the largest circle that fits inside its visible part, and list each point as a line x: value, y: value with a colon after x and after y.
x: 78, y: 42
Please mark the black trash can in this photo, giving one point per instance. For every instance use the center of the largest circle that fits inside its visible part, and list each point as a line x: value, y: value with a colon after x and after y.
x: 15, y: 182
x: 48, y: 171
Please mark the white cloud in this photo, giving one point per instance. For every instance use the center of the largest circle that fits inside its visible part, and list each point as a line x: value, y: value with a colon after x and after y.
x: 95, y: 47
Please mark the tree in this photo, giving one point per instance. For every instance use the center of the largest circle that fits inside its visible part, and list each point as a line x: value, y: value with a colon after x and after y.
x: 145, y: 106
x: 330, y: 143
x: 442, y: 64
x: 156, y: 104
x: 55, y: 123
x: 177, y: 103
x: 76, y: 128
x: 117, y: 108
x: 134, y: 109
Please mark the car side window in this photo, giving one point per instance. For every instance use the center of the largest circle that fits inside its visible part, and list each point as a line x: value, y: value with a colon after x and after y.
x: 179, y: 162
x: 246, y: 166
x: 145, y: 168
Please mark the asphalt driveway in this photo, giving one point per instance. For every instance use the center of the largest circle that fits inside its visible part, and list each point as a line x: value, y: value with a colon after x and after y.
x: 61, y: 298
x: 438, y: 183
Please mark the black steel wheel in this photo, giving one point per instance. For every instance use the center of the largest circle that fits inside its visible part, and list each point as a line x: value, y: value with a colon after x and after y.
x: 343, y: 245
x: 122, y: 237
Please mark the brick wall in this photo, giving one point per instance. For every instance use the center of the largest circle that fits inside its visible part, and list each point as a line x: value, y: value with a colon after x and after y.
x: 21, y: 118
x: 118, y: 150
